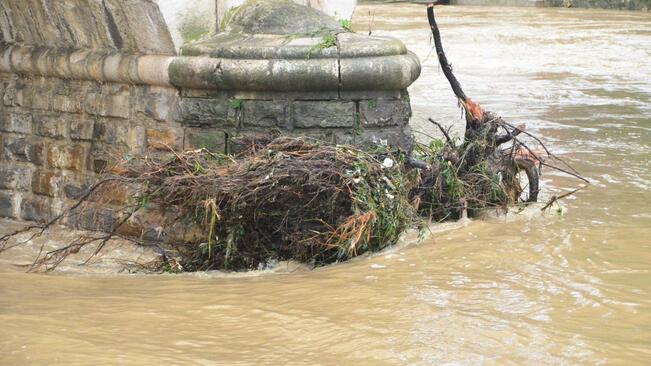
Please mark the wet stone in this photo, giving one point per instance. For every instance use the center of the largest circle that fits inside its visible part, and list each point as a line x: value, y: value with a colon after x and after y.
x: 23, y: 149
x: 15, y: 178
x: 36, y: 209
x: 324, y: 114
x: 7, y: 205
x: 17, y: 122
x: 378, y: 113
x: 204, y: 138
x: 205, y: 112
x: 53, y: 126
x: 266, y: 113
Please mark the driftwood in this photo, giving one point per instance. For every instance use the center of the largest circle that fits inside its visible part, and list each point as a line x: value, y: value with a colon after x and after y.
x: 295, y: 198
x: 478, y: 121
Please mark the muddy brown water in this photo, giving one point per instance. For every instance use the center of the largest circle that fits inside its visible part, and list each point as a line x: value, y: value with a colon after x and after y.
x: 555, y: 289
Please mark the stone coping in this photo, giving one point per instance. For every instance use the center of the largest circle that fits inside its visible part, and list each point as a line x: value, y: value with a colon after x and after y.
x: 386, y: 72
x: 270, y: 46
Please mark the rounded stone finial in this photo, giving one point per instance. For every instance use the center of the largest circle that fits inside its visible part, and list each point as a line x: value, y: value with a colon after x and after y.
x: 281, y: 17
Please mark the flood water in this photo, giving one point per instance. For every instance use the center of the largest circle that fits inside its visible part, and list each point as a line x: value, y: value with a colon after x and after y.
x: 554, y: 289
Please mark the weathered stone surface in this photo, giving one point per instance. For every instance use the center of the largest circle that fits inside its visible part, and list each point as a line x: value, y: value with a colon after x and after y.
x: 299, y: 75
x: 279, y: 17
x: 67, y: 157
x: 205, y: 138
x: 205, y: 112
x: 111, y: 101
x: 101, y: 157
x: 82, y: 128
x: 104, y: 101
x: 17, y: 122
x: 74, y: 185
x: 11, y: 95
x: 23, y: 149
x: 165, y: 138
x: 36, y: 208
x: 93, y: 218
x: 324, y: 114
x: 36, y: 94
x: 69, y: 95
x: 75, y: 190
x: 45, y: 183
x: 15, y: 177
x: 267, y: 113
x: 111, y: 131
x: 395, y: 136
x: 130, y: 25
x: 64, y: 103
x: 51, y: 125
x: 379, y: 73
x: 160, y: 103
x: 150, y: 36
x: 356, y: 45
x: 378, y: 113
x: 7, y: 203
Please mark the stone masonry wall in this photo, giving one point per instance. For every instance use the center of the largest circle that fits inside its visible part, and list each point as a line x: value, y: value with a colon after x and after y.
x: 57, y: 135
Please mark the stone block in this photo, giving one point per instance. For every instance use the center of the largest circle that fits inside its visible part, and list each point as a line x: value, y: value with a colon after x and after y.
x: 23, y: 149
x: 395, y: 136
x: 17, y: 122
x: 159, y: 103
x: 93, y: 218
x: 7, y: 205
x: 324, y: 114
x: 103, y: 157
x: 67, y: 157
x: 69, y: 96
x: 111, y: 131
x: 15, y: 178
x: 267, y: 113
x: 13, y: 95
x: 37, y: 94
x: 165, y: 138
x: 206, y: 112
x: 67, y: 104
x: 45, y: 183
x: 51, y: 125
x: 82, y: 128
x: 114, y: 194
x: 108, y: 103
x: 205, y: 138
x: 36, y: 209
x: 75, y: 185
x: 380, y: 113
x: 75, y: 190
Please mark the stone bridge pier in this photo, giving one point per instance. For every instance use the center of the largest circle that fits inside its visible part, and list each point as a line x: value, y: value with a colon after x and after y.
x: 84, y: 83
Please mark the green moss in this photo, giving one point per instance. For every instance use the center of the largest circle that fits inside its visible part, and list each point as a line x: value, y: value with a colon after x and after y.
x: 358, y: 130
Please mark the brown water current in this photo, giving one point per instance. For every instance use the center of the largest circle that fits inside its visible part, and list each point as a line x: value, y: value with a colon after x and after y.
x: 531, y: 289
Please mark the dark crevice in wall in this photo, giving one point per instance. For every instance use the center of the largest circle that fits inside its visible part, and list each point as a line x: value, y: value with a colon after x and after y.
x: 112, y: 27
x: 338, y: 64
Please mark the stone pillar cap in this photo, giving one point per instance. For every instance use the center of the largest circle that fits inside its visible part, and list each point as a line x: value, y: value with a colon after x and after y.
x: 306, y: 49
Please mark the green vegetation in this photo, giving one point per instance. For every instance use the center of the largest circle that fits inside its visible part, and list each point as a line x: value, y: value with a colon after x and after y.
x: 346, y: 24
x: 194, y: 27
x: 236, y: 103
x: 327, y: 41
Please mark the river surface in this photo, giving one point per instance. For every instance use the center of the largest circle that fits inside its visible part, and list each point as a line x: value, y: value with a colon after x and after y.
x: 554, y: 289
